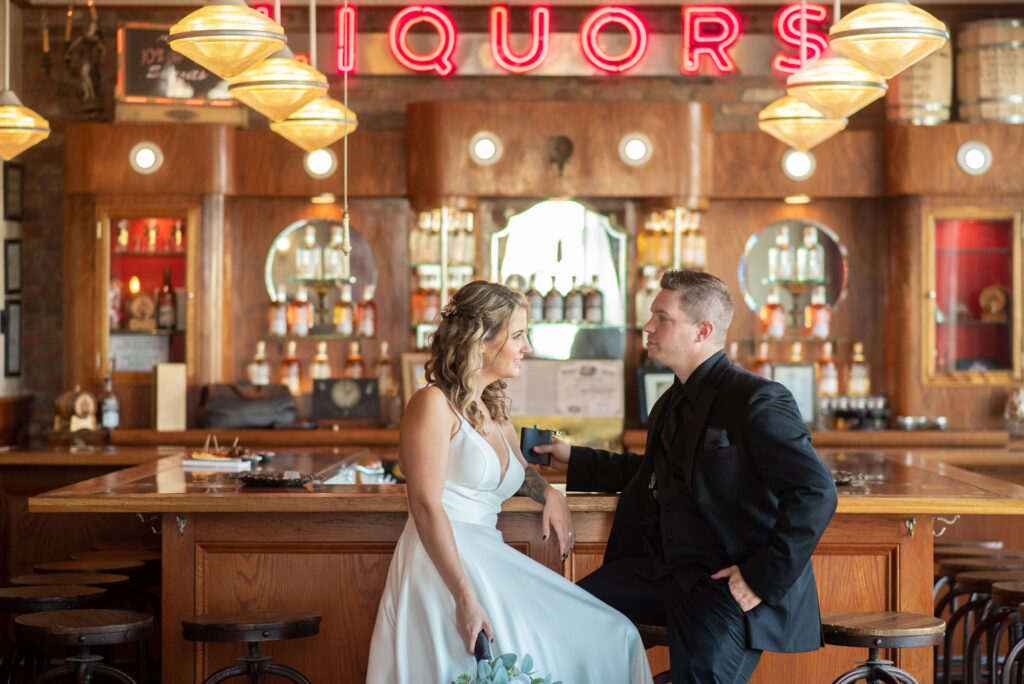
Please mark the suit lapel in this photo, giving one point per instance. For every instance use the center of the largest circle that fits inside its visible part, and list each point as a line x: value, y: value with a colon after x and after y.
x: 694, y: 430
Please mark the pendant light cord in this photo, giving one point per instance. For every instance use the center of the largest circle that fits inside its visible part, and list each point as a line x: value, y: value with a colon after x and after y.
x: 836, y: 11
x: 344, y: 152
x: 803, y: 33
x: 7, y: 44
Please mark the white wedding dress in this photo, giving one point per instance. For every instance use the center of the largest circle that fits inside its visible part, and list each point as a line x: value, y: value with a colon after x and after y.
x: 570, y: 635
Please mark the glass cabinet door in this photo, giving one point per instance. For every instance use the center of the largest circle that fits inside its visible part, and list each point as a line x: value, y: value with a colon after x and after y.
x: 973, y: 283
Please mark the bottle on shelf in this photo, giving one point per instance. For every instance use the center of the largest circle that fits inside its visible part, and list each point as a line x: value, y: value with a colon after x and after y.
x: 300, y: 313
x: 796, y: 352
x: 179, y: 236
x: 121, y: 244
x: 814, y: 259
x: 166, y: 304
x: 554, y: 305
x: 335, y: 264
x: 593, y: 303
x: 535, y: 300
x: 384, y: 371
x: 818, y: 315
x: 859, y: 377
x: 344, y: 315
x: 469, y: 241
x: 573, y: 304
x: 277, y: 313
x: 772, y: 316
x: 151, y: 231
x: 291, y: 369
x: 456, y: 238
x: 828, y: 374
x: 666, y: 234
x: 110, y: 407
x: 644, y: 240
x: 366, y: 313
x: 780, y: 258
x: 258, y: 369
x: 431, y: 299
x: 432, y: 246
x: 762, y: 363
x: 353, y: 367
x: 688, y: 242
x: 734, y: 353
x: 320, y: 369
x: 701, y: 242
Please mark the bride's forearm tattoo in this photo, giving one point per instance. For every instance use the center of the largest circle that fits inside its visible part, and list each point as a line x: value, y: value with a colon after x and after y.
x: 534, y: 485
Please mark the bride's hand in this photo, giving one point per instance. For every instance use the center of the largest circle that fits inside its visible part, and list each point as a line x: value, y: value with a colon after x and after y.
x: 556, y: 515
x: 470, y: 618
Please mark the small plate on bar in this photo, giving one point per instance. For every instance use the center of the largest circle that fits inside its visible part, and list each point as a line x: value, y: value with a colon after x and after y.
x: 289, y: 478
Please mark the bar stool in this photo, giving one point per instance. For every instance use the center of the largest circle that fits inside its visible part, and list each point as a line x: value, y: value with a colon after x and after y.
x: 118, y: 565
x: 252, y: 627
x: 1005, y: 597
x: 149, y: 556
x: 1014, y: 656
x: 84, y: 629
x: 654, y: 635
x: 90, y: 579
x: 874, y: 631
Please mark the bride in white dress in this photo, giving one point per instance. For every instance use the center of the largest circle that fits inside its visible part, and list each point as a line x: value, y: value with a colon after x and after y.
x: 452, y: 575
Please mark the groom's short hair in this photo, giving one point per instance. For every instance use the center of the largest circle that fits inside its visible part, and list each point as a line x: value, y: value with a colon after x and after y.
x: 702, y: 297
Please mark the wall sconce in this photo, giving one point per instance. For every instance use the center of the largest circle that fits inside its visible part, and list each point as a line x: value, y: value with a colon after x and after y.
x: 485, y: 148
x: 798, y: 165
x: 146, y: 158
x: 635, y: 149
x: 560, y: 149
x: 320, y: 163
x: 974, y: 157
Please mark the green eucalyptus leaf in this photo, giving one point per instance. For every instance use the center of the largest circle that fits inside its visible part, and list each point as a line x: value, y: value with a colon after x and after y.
x: 527, y: 663
x: 483, y: 670
x: 509, y: 659
x: 501, y: 677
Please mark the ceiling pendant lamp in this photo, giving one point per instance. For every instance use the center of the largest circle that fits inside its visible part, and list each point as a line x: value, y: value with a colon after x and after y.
x: 226, y: 37
x: 888, y: 37
x: 797, y: 124
x: 20, y: 127
x: 835, y: 85
x: 318, y: 124
x: 279, y: 85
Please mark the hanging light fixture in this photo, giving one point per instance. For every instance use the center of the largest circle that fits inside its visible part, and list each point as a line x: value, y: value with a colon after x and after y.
x: 835, y: 85
x: 279, y: 85
x: 226, y: 37
x: 797, y: 124
x: 888, y: 37
x: 20, y: 127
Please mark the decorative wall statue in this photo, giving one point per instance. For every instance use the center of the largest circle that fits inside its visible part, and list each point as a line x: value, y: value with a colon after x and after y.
x: 83, y: 58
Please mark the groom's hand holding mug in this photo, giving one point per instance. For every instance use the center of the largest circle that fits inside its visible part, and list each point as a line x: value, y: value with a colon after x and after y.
x: 559, y: 451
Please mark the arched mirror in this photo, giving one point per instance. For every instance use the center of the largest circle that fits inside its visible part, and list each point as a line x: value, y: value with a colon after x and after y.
x: 307, y: 251
x: 793, y: 256
x: 553, y: 244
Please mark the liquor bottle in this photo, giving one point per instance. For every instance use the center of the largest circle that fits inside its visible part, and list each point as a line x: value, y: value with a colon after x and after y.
x: 469, y: 245
x: 734, y: 353
x: 291, y: 370
x: 456, y: 238
x: 688, y: 248
x: 418, y: 238
x: 796, y: 352
x: 554, y: 305
x: 166, y: 304
x: 773, y: 316
x: 277, y: 313
x: 828, y: 374
x: 859, y: 378
x: 762, y: 365
x: 785, y: 255
x: 320, y: 369
x: 179, y: 236
x: 151, y: 230
x: 643, y: 240
x: 384, y: 370
x: 701, y: 238
x: 354, y: 363
x: 121, y: 245
x: 110, y: 407
x: 432, y: 245
x: 666, y: 236
x: 314, y: 259
x: 431, y: 299
x: 333, y: 258
x: 593, y: 303
x: 366, y: 313
x: 573, y: 304
x: 259, y: 369
x: 536, y: 300
x: 815, y: 265
x: 344, y: 315
x: 818, y: 315
x: 300, y: 313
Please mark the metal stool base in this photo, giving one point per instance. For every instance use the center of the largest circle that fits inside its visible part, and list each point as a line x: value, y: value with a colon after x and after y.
x: 254, y: 666
x: 876, y: 669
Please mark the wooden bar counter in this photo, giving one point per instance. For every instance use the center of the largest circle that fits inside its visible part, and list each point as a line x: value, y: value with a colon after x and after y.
x: 327, y: 548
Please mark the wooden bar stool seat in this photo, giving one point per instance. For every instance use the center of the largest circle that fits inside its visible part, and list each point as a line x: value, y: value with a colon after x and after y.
x: 116, y: 565
x: 148, y: 556
x: 127, y: 544
x: 939, y: 555
x: 91, y: 579
x: 252, y: 627
x: 84, y: 629
x: 874, y: 631
x: 37, y: 599
x: 655, y: 635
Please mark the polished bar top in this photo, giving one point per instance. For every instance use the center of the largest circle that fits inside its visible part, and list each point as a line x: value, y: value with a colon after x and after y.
x: 885, y: 482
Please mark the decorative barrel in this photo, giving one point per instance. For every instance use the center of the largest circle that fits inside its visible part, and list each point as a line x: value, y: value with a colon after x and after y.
x: 990, y: 71
x: 922, y: 94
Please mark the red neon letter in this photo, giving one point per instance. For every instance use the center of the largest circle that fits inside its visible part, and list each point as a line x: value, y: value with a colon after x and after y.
x: 345, y: 34
x: 540, y: 31
x: 266, y: 9
x: 624, y: 17
x: 440, y: 60
x: 787, y: 28
x: 699, y: 41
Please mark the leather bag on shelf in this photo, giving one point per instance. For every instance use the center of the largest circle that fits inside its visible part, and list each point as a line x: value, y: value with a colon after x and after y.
x: 244, y: 405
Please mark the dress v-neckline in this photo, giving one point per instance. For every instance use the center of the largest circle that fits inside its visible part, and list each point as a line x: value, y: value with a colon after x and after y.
x: 508, y: 449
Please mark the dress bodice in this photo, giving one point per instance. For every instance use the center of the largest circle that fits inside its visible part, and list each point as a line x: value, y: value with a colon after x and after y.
x: 474, y: 487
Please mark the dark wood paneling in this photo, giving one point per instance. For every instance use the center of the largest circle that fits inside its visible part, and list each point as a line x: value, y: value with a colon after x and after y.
x: 269, y: 165
x: 440, y: 166
x: 921, y: 160
x: 196, y: 159
x: 750, y: 165
x: 84, y: 308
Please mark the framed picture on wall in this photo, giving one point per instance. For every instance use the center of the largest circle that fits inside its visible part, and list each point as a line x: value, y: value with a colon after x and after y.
x: 651, y: 384
x: 11, y: 329
x: 413, y: 373
x: 801, y: 380
x: 14, y: 191
x: 12, y: 266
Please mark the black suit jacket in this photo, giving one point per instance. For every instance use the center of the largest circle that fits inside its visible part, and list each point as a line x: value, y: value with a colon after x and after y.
x: 757, y: 481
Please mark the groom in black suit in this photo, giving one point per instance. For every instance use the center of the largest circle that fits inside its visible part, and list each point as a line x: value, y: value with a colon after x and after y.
x: 718, y: 518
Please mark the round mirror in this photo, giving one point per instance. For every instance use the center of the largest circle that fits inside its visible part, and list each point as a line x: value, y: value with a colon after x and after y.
x: 307, y: 252
x: 793, y: 256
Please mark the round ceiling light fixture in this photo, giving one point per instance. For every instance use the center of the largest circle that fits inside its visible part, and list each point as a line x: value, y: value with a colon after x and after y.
x: 974, y: 157
x: 146, y: 157
x: 798, y: 165
x: 635, y: 149
x: 320, y: 163
x: 485, y: 148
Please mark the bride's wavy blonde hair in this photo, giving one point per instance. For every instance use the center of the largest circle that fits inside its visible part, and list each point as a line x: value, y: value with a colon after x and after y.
x: 479, y: 312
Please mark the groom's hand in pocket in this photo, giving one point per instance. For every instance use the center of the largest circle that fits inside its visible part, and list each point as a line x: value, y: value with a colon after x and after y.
x: 559, y: 451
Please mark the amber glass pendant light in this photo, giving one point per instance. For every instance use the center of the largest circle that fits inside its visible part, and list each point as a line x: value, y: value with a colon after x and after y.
x: 20, y: 127
x: 888, y: 37
x: 797, y: 124
x: 835, y: 85
x: 226, y: 37
x: 279, y: 85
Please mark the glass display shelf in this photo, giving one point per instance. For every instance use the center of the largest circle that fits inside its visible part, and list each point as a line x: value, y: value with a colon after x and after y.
x: 162, y: 255
x: 157, y: 331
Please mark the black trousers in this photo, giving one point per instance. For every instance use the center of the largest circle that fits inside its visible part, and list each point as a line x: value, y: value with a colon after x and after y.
x: 707, y: 632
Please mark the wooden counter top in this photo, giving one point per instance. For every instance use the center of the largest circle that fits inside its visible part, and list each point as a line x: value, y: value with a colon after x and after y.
x: 88, y: 455
x: 896, y: 482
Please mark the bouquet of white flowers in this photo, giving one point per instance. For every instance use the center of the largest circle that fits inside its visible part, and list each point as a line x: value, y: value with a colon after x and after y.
x: 503, y: 670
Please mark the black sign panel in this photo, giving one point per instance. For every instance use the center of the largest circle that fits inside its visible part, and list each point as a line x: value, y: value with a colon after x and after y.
x: 148, y: 67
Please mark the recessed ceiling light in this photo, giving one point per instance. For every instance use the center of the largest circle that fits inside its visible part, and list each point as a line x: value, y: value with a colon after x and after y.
x: 798, y: 166
x: 797, y: 199
x: 146, y: 157
x: 320, y: 163
x: 635, y: 149
x: 323, y: 198
x: 974, y: 157
x: 485, y: 148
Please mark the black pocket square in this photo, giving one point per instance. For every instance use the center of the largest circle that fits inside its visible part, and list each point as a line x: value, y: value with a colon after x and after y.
x: 715, y: 438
